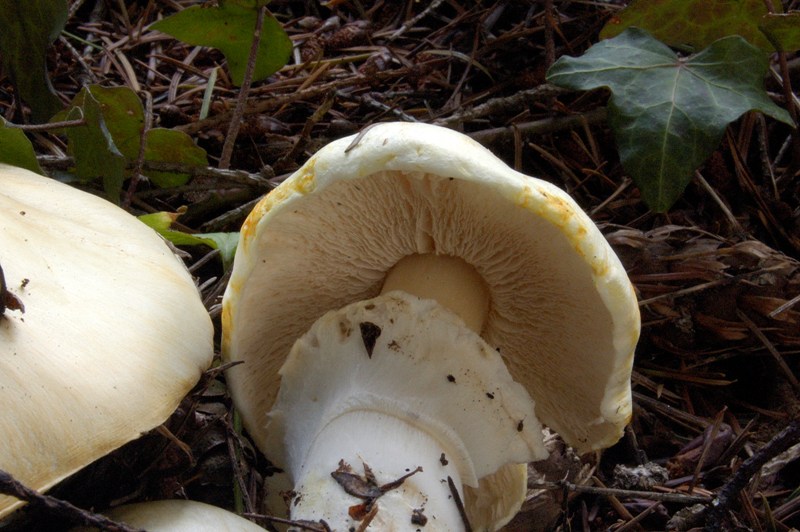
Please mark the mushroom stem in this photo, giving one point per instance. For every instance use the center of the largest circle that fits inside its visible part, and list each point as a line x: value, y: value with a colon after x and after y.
x: 450, y: 281
x: 381, y: 387
x: 367, y: 471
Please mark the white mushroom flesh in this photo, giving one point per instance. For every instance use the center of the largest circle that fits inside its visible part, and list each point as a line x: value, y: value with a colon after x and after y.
x: 396, y: 383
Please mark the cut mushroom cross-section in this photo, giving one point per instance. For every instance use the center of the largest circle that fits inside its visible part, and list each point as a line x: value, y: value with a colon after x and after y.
x: 422, y: 378
x: 428, y: 212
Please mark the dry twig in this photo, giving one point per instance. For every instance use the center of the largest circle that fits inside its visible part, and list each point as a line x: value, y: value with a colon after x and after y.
x: 726, y: 497
x: 10, y: 486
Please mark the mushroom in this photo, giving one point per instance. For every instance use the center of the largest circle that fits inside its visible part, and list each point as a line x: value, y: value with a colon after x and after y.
x: 179, y: 516
x: 407, y: 300
x: 112, y: 337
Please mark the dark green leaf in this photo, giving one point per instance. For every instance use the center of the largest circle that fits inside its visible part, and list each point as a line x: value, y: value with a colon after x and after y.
x: 167, y: 145
x: 27, y: 28
x: 783, y: 31
x: 692, y: 24
x: 121, y: 119
x: 669, y: 114
x: 16, y: 149
x: 229, y: 27
x: 96, y: 155
x: 123, y: 114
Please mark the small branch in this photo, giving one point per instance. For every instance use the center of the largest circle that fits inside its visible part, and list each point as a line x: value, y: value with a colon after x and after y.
x: 616, y: 492
x: 787, y: 371
x: 11, y: 486
x: 320, y: 526
x: 138, y: 164
x: 721, y: 204
x: 31, y: 128
x: 789, y: 96
x: 633, y: 523
x: 727, y: 495
x: 541, y: 127
x: 786, y: 306
x: 706, y: 447
x: 88, y: 76
x: 410, y: 23
x: 510, y: 105
x: 302, y: 139
x: 226, y: 218
x: 238, y: 112
x: 263, y: 105
x: 259, y: 180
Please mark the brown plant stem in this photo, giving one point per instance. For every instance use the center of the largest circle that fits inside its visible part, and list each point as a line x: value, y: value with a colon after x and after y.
x: 238, y: 112
x: 10, y: 486
x: 31, y: 128
x: 678, y: 498
x: 727, y: 495
x: 788, y: 94
x: 139, y: 162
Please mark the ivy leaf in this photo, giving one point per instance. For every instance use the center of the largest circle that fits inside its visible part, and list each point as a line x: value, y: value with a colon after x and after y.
x: 226, y: 243
x: 667, y: 113
x: 171, y: 146
x: 783, y: 31
x: 693, y: 24
x: 123, y: 119
x: 28, y: 28
x: 92, y: 146
x: 229, y: 28
x: 16, y: 149
x: 124, y: 116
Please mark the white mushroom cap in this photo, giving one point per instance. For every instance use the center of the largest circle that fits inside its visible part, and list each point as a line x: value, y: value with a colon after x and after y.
x: 180, y: 516
x: 112, y: 338
x: 562, y: 311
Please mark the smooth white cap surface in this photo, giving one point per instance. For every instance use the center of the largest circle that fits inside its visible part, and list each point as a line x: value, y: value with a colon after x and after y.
x: 113, y: 336
x: 181, y: 516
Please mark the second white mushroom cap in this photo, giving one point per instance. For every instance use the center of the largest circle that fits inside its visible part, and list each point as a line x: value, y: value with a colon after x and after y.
x: 113, y: 336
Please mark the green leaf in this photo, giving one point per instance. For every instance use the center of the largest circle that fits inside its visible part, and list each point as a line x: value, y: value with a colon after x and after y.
x: 783, y: 31
x: 669, y: 114
x: 226, y: 243
x: 167, y: 145
x: 28, y: 27
x: 96, y: 155
x: 16, y: 149
x: 123, y: 114
x: 693, y: 24
x: 120, y: 130
x: 229, y: 27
